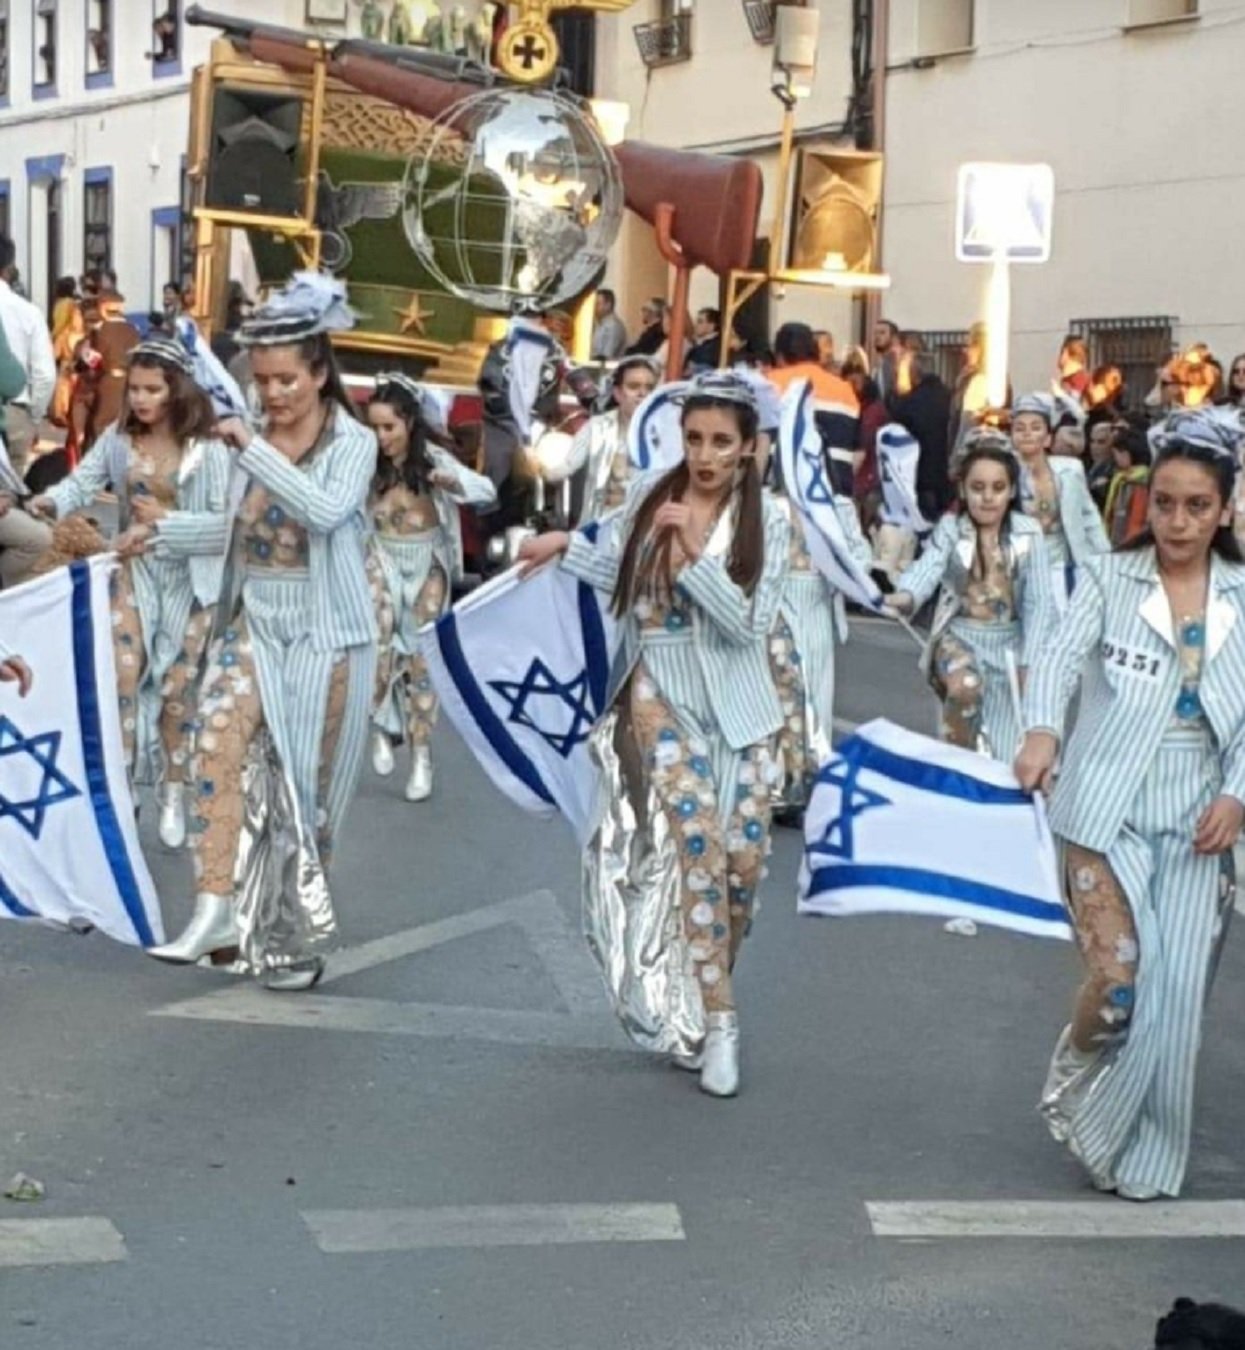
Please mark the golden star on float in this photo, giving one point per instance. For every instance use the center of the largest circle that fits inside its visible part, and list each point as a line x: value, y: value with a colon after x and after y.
x: 414, y: 318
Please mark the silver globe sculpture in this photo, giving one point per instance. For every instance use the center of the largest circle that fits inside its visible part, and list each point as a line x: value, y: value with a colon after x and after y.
x: 516, y: 201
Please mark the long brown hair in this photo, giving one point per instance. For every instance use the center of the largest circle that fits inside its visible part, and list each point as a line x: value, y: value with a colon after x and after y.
x: 191, y: 415
x: 645, y: 566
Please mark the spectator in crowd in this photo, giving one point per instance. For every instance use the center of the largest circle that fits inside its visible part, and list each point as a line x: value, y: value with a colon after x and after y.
x: 663, y: 352
x: 706, y: 352
x: 68, y: 330
x: 23, y: 539
x: 866, y: 481
x: 887, y: 348
x: 825, y: 349
x: 609, y: 336
x: 224, y: 344
x: 171, y: 298
x: 653, y: 330
x: 1106, y: 390
x: 27, y: 334
x: 1128, y: 498
x: 836, y: 409
x: 1235, y: 393
x: 1101, y: 466
x: 925, y: 411
x: 1073, y: 369
x: 970, y: 397
x: 101, y: 364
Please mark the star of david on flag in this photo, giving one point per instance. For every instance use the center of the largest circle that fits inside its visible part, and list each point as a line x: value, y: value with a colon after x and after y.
x: 30, y: 782
x: 842, y: 560
x: 69, y: 849
x: 901, y: 823
x: 522, y: 670
x: 541, y: 686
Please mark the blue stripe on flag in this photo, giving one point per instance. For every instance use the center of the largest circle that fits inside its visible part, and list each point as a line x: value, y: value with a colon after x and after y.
x: 491, y: 726
x: 91, y: 730
x: 596, y: 654
x: 928, y: 777
x: 852, y: 876
x: 13, y: 904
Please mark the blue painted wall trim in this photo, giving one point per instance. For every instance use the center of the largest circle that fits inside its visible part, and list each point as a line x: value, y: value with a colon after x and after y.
x: 44, y: 168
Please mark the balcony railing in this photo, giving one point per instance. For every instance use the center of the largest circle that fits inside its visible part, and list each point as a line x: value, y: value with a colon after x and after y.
x: 760, y: 16
x: 665, y: 42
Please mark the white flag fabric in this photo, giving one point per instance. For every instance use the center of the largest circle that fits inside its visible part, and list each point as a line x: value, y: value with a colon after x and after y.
x: 901, y: 823
x: 69, y: 848
x: 807, y: 480
x: 522, y: 669
x: 898, y: 453
x: 210, y: 375
x: 655, y: 436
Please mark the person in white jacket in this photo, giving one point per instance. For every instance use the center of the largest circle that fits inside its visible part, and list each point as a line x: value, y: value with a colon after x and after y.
x: 1054, y: 492
x: 413, y: 506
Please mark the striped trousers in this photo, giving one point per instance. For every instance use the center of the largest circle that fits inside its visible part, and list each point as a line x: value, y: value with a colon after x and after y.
x: 1131, y: 1119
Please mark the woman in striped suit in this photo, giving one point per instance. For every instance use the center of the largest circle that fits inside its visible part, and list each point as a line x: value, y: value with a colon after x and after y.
x: 989, y: 565
x: 283, y: 718
x: 170, y: 474
x: 695, y: 563
x: 1148, y: 805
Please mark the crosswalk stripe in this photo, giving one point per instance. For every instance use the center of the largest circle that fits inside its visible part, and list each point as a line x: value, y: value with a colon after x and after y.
x: 339, y: 1231
x: 59, y: 1242
x: 1107, y: 1217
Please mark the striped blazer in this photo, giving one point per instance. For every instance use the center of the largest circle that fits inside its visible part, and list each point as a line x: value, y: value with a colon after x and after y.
x: 730, y: 630
x: 946, y: 566
x: 198, y: 530
x: 1078, y: 516
x: 1119, y: 631
x: 328, y: 497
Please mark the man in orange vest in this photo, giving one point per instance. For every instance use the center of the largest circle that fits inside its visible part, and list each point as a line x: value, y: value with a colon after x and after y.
x: 836, y: 407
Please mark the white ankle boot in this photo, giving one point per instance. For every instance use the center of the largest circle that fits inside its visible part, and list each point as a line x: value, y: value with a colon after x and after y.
x: 419, y: 785
x: 382, y: 754
x: 719, y: 1073
x: 212, y: 929
x: 172, y: 814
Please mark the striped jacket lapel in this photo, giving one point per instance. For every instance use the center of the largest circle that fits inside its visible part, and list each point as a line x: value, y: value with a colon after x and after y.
x: 1221, y: 604
x: 1152, y: 604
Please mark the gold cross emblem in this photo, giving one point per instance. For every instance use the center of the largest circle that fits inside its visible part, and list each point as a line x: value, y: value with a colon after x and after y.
x: 414, y: 318
x: 528, y: 51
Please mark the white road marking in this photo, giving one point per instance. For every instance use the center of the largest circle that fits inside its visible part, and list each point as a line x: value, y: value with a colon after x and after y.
x: 1108, y: 1217
x: 587, y: 1025
x: 253, y: 1006
x: 59, y: 1242
x: 402, y: 1230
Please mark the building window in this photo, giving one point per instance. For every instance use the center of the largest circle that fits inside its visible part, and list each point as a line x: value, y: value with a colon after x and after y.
x: 6, y: 217
x: 45, y: 48
x: 668, y: 40
x: 1143, y: 13
x: 166, y: 32
x: 941, y: 351
x: 577, y: 41
x: 97, y: 212
x: 943, y: 27
x: 1138, y: 346
x: 4, y: 51
x: 98, y: 43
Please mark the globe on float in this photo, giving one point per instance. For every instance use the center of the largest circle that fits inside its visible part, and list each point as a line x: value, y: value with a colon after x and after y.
x: 516, y: 201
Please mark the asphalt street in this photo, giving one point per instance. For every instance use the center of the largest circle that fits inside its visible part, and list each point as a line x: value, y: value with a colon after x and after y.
x: 449, y: 1147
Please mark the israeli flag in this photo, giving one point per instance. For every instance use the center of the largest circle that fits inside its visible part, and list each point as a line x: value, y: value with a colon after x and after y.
x: 900, y: 823
x: 655, y: 436
x: 209, y: 374
x: 807, y: 480
x: 898, y: 454
x: 69, y: 848
x: 522, y: 669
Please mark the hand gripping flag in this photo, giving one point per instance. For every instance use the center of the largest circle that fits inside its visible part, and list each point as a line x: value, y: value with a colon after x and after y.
x: 522, y: 669
x: 69, y: 849
x: 900, y: 823
x: 807, y: 479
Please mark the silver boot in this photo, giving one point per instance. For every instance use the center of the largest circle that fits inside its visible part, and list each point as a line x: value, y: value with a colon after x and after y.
x: 719, y: 1072
x: 172, y: 814
x: 419, y: 785
x: 212, y: 929
x: 382, y: 754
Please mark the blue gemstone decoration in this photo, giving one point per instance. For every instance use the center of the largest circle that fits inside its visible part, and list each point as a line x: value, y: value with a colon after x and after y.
x: 1188, y: 704
x: 207, y: 787
x: 262, y: 548
x: 274, y: 516
x: 228, y: 659
x: 696, y: 845
x: 675, y: 621
x: 1193, y: 634
x: 719, y: 931
x: 753, y: 831
x: 1122, y: 996
x: 667, y: 734
x: 700, y: 765
x: 687, y: 807
x: 231, y: 635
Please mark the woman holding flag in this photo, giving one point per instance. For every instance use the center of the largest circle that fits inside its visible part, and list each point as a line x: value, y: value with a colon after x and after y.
x: 1148, y: 805
x: 601, y: 443
x: 170, y: 473
x: 988, y: 563
x: 694, y: 561
x: 287, y: 693
x: 414, y: 509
